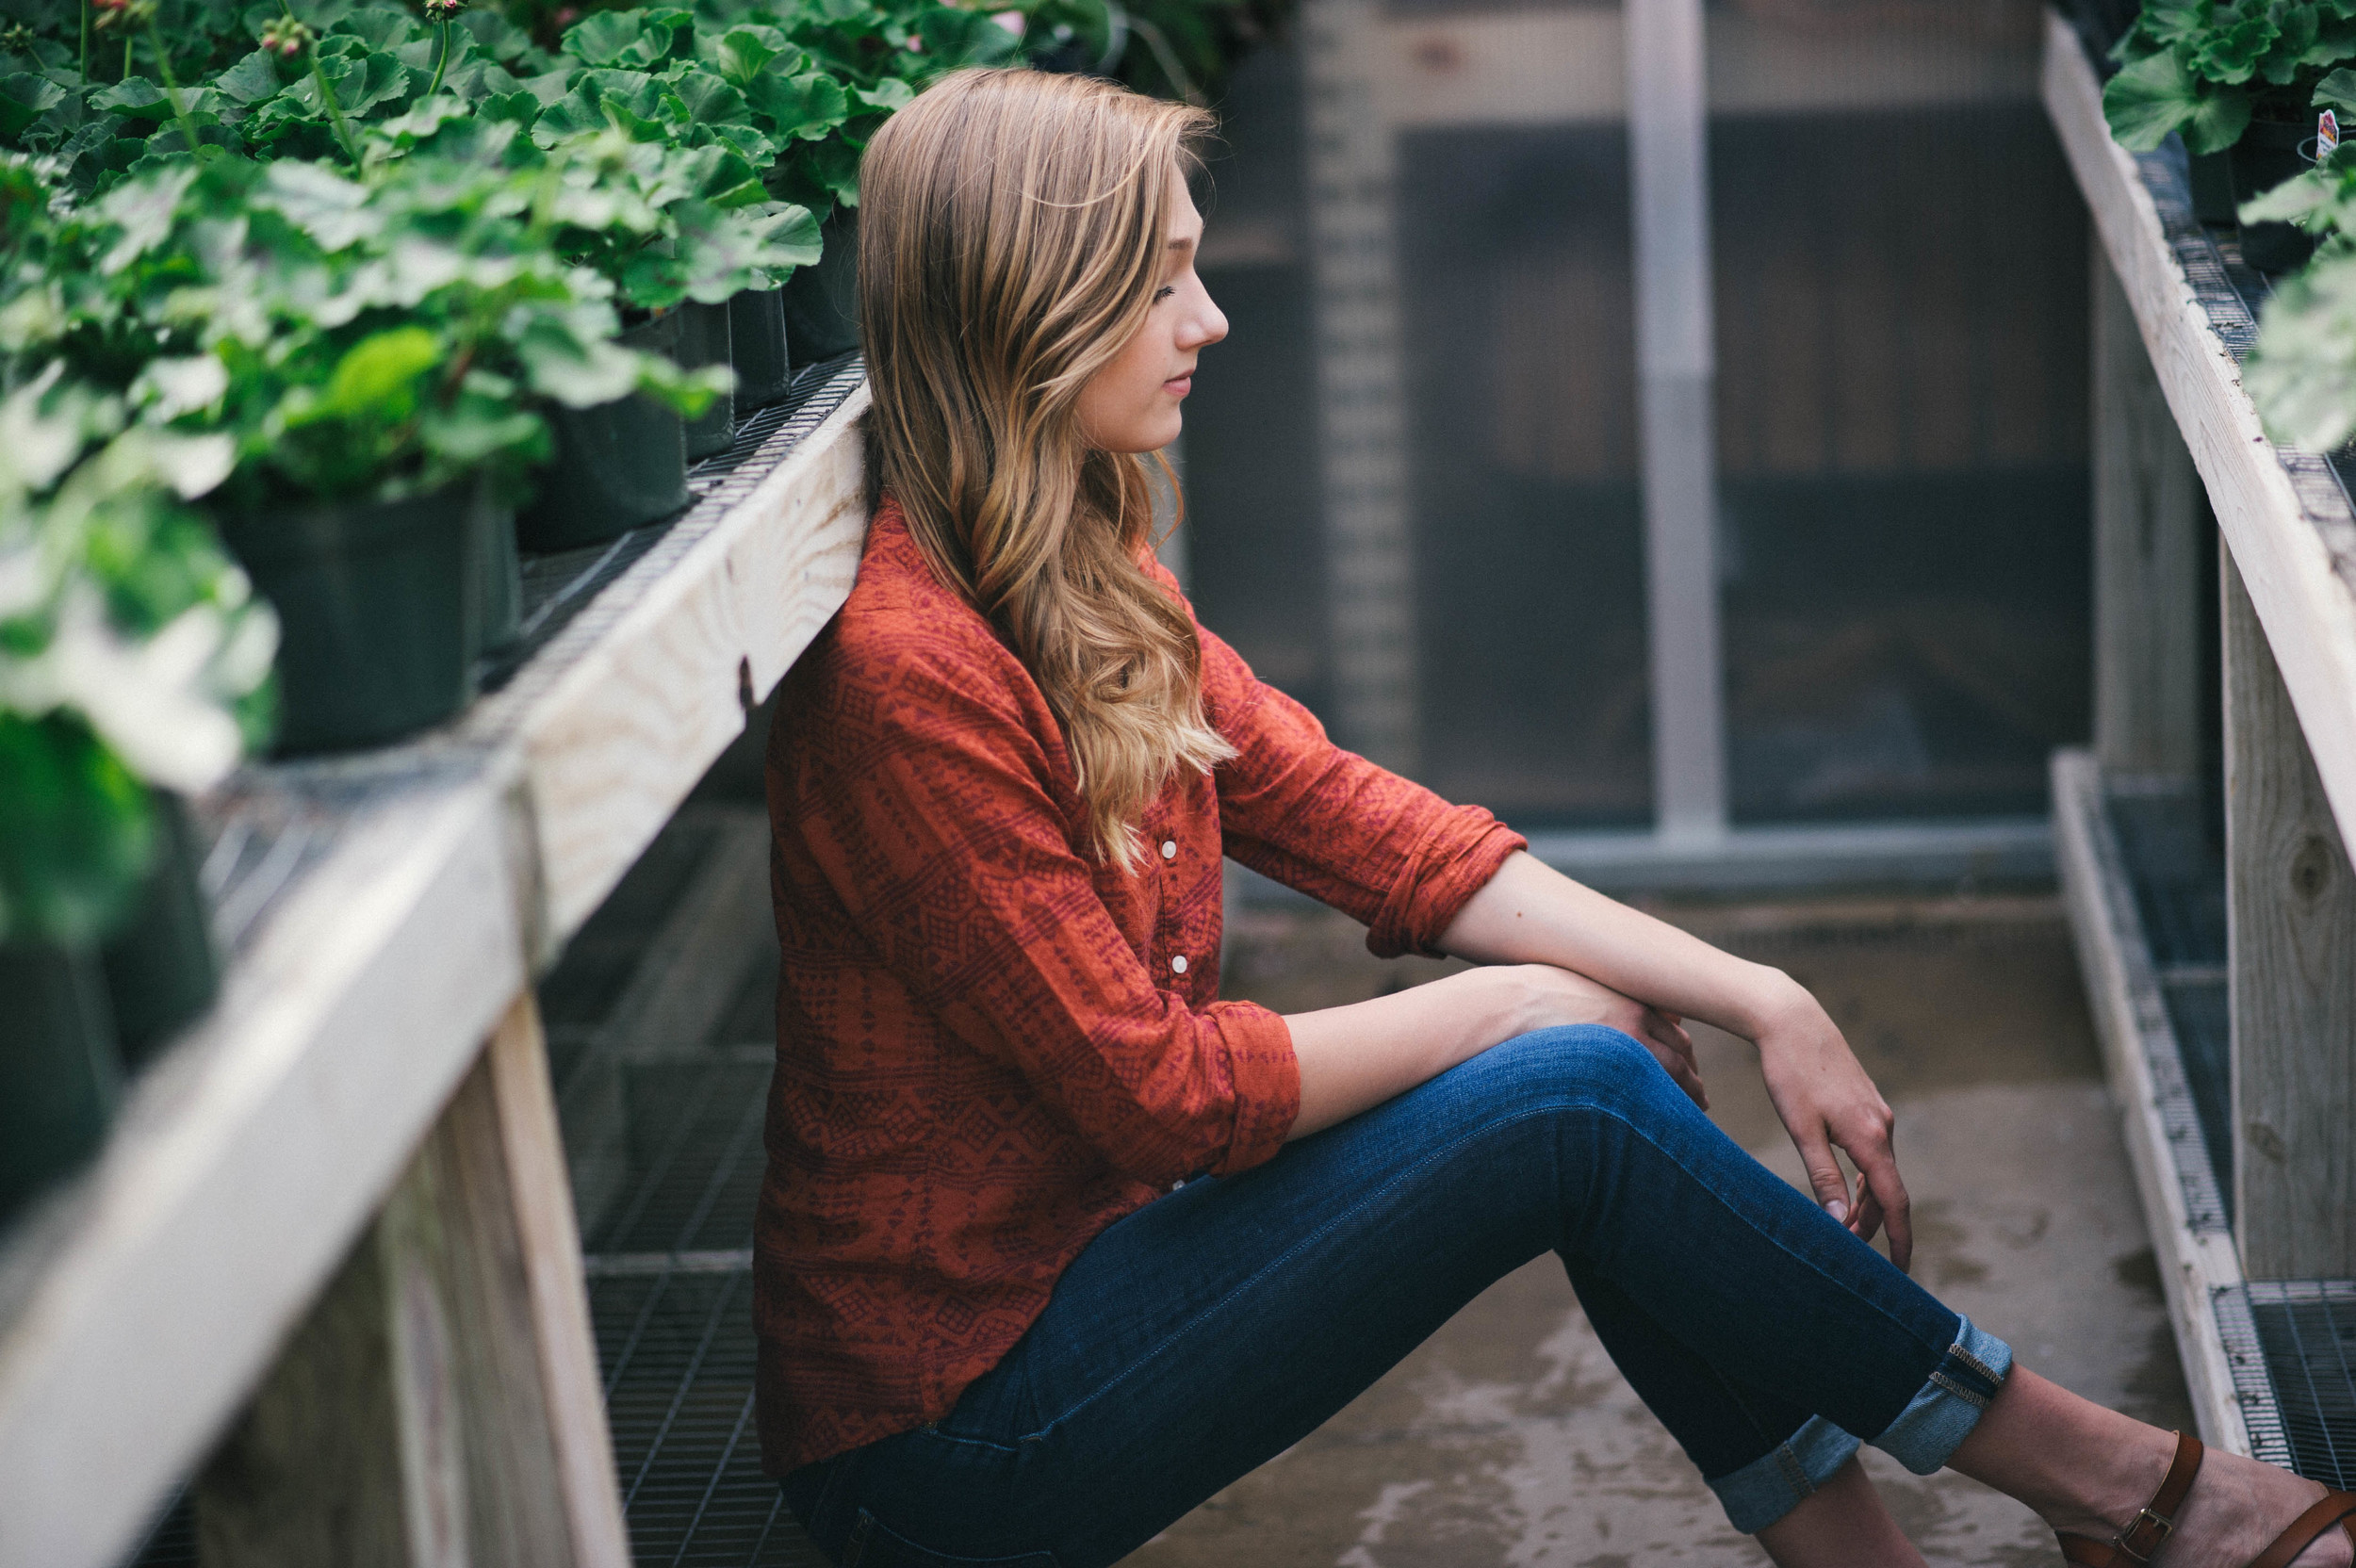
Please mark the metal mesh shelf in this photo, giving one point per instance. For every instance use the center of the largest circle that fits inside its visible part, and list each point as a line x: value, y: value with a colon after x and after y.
x: 2306, y: 1332
x: 2178, y: 873
x: 677, y: 1349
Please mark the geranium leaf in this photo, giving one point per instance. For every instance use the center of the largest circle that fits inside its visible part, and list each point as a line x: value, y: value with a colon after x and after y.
x: 803, y: 107
x: 25, y: 98
x: 744, y: 53
x: 602, y: 38
x: 2218, y: 122
x: 709, y: 100
x: 2337, y: 92
x: 2148, y: 100
x: 252, y: 79
x: 378, y: 376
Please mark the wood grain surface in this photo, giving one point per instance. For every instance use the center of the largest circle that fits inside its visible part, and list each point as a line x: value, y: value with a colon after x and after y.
x: 2290, y: 904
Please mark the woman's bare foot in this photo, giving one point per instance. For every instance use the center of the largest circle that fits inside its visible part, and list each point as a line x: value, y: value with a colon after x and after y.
x: 2089, y: 1471
x: 2237, y: 1507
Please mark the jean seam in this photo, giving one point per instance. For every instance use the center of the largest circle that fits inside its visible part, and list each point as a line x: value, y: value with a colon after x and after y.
x: 1968, y: 1395
x: 1516, y: 1119
x: 1975, y: 1363
x: 994, y: 1447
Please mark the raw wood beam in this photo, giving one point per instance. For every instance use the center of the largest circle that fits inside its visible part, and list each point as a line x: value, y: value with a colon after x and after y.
x: 2193, y: 1248
x: 2291, y: 913
x: 441, y: 1407
x: 2148, y: 535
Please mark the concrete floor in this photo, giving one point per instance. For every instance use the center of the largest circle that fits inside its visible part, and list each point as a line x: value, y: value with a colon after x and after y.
x: 1509, y: 1439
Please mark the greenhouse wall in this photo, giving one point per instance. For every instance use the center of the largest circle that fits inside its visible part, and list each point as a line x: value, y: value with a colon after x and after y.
x: 1899, y: 265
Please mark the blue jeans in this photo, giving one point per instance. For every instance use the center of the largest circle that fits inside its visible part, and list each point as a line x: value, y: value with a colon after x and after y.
x: 1218, y: 1325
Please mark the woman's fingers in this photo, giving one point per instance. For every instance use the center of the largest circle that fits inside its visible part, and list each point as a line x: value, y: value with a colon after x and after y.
x: 1878, y: 1174
x: 1674, y: 1048
x: 1823, y: 1171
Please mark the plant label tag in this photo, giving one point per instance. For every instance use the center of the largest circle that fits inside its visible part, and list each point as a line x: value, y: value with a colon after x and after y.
x: 2327, y: 135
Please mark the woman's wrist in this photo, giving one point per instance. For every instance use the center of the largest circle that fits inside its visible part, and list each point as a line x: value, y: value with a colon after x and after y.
x: 1771, y: 1003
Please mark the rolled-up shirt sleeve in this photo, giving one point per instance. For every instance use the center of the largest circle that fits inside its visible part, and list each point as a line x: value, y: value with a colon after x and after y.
x: 1295, y: 807
x: 937, y: 825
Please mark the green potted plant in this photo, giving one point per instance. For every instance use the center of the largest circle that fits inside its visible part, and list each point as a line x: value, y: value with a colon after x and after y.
x: 2235, y: 79
x: 134, y: 666
x: 819, y: 81
x: 2301, y: 372
x: 646, y: 76
x: 665, y: 226
x: 382, y: 353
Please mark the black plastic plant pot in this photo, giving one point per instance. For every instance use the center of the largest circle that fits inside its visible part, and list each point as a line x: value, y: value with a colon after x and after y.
x: 59, y: 1076
x: 757, y: 347
x: 822, y: 300
x: 499, y: 578
x: 703, y: 339
x: 379, y: 619
x: 2212, y: 177
x: 2268, y: 153
x: 618, y: 465
x: 162, y: 969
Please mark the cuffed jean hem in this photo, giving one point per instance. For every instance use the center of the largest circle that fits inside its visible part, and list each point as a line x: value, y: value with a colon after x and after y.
x: 1938, y: 1418
x: 1772, y: 1485
x: 1950, y: 1402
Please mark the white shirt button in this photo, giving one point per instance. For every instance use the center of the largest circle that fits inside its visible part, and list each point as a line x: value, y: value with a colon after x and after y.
x: 1170, y: 849
x: 1179, y: 963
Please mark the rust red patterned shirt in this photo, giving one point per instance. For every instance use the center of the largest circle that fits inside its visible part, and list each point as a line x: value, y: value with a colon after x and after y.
x: 992, y: 1045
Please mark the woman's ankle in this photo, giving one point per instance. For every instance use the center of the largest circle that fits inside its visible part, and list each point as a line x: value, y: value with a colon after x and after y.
x: 2086, y: 1470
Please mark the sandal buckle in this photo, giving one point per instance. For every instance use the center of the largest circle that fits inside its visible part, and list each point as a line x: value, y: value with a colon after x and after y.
x: 2146, y: 1521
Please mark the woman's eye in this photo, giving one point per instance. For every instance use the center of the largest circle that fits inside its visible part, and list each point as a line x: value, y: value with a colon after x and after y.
x: 1163, y: 292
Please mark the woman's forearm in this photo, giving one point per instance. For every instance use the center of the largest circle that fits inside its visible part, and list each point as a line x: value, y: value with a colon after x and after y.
x: 1529, y: 913
x: 1355, y: 1057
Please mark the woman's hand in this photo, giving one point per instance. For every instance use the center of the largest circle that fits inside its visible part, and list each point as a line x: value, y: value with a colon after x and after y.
x: 1826, y: 1101
x: 1552, y: 998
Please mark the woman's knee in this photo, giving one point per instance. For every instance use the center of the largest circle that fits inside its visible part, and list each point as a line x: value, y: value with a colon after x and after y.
x: 1581, y: 1067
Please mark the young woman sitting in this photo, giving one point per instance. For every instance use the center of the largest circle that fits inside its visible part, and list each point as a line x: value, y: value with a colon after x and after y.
x: 1054, y: 1242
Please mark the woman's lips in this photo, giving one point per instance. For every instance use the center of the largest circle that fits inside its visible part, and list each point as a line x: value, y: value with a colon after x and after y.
x: 1178, y: 386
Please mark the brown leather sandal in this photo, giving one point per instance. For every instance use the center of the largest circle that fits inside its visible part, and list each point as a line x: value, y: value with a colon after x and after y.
x: 2134, y: 1545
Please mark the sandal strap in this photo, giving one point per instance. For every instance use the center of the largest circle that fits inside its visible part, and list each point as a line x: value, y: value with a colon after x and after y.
x: 2143, y: 1535
x: 2336, y: 1508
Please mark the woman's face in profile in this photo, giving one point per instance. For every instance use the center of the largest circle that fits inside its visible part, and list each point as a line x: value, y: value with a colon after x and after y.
x: 1131, y: 405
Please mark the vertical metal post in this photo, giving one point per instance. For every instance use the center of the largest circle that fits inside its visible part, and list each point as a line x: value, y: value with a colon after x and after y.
x: 1676, y: 368
x: 1361, y: 386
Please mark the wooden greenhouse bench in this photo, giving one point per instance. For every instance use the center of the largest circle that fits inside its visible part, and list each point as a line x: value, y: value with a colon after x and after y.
x: 332, y: 1222
x: 2231, y: 1042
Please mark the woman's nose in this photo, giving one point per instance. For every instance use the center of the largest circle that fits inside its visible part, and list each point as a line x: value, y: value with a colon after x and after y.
x: 1205, y: 326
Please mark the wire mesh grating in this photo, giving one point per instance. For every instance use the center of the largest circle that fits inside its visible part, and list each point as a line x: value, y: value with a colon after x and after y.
x: 2177, y: 872
x: 695, y: 1155
x: 678, y: 1353
x: 2306, y: 1334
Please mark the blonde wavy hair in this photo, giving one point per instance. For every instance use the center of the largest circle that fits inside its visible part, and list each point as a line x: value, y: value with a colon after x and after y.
x: 1010, y: 243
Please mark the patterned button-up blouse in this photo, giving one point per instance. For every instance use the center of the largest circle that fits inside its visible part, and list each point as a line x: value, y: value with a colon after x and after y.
x: 991, y: 1043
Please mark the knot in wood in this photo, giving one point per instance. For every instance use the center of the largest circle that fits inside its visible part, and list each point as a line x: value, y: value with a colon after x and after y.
x: 2310, y: 867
